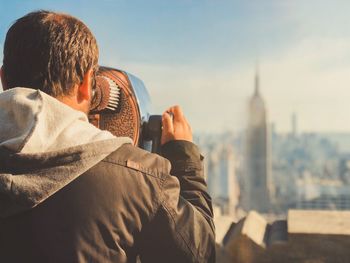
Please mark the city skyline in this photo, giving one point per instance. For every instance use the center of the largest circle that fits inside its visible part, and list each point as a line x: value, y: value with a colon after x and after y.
x: 202, y: 55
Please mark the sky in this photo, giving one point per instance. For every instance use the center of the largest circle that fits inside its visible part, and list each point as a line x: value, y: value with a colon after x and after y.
x: 202, y: 55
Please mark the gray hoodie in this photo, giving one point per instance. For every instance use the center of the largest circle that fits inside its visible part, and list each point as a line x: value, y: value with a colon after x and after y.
x: 44, y: 145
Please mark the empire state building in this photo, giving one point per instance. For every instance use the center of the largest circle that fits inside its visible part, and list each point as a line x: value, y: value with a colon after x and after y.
x: 257, y: 180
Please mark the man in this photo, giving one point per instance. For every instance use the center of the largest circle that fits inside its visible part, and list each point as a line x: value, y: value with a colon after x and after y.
x: 70, y: 192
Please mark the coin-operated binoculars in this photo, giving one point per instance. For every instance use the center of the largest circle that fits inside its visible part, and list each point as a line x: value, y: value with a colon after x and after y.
x: 122, y: 105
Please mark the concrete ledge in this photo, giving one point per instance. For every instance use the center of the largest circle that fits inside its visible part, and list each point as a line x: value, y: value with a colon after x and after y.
x: 311, y: 236
x: 319, y: 222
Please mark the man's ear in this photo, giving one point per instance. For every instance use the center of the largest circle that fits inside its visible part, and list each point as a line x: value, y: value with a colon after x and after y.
x: 85, y: 88
x: 2, y: 76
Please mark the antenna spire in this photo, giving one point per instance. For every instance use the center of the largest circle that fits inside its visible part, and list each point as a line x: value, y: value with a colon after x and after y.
x: 257, y: 83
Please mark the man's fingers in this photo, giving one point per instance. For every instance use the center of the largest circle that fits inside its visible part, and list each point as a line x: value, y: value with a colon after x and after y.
x: 177, y: 113
x: 175, y: 126
x: 168, y: 126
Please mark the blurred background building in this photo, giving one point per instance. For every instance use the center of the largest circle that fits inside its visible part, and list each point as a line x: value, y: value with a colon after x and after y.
x: 257, y: 188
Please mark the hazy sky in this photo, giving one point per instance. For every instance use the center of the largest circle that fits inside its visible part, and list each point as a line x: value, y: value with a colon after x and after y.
x: 202, y: 55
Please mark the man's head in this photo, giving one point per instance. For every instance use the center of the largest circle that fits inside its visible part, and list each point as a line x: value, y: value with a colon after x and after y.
x: 53, y: 52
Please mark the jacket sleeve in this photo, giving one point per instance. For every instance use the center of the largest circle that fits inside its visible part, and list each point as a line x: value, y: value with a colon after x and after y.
x: 182, y: 229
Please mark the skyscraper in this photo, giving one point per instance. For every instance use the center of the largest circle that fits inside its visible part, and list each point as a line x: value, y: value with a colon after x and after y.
x: 257, y: 186
x: 229, y: 195
x: 222, y: 181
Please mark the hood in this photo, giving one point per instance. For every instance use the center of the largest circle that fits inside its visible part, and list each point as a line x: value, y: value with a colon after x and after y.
x: 44, y: 145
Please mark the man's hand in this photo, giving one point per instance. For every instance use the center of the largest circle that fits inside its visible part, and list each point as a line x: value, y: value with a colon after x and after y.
x: 175, y: 126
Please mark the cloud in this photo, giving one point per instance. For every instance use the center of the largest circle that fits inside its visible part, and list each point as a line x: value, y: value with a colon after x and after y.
x: 313, y: 79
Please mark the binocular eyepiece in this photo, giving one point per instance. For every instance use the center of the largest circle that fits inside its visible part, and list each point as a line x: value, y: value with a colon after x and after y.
x: 122, y: 105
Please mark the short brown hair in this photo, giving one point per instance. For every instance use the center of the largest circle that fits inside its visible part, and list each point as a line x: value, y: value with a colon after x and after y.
x: 48, y: 51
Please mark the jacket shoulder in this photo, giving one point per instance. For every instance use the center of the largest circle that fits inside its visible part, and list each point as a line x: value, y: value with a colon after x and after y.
x: 135, y: 158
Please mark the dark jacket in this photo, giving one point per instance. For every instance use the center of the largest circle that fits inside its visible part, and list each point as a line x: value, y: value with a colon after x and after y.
x: 131, y: 206
x: 127, y: 205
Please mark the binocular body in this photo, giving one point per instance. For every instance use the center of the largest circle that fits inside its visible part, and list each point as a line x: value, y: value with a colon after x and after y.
x: 121, y: 104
